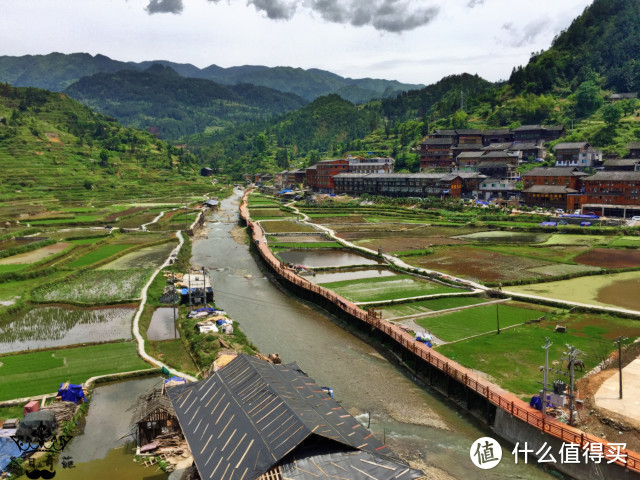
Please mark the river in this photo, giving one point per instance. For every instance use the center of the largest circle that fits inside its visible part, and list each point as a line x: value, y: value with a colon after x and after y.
x: 419, y: 425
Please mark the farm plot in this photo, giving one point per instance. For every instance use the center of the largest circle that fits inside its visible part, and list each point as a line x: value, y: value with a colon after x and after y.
x: 512, y: 359
x: 610, y: 258
x: 478, y: 264
x: 297, y: 238
x: 145, y: 258
x: 570, y: 239
x: 626, y: 242
x: 101, y: 253
x: 262, y: 213
x: 372, y: 290
x: 482, y: 319
x: 36, y: 255
x: 505, y: 237
x: 325, y: 258
x: 46, y: 327
x: 424, y: 306
x: 95, y: 287
x: 342, y: 275
x: 616, y: 290
x: 36, y: 373
x: 285, y: 226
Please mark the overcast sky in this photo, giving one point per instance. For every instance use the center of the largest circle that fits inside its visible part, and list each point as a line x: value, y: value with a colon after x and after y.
x: 414, y: 41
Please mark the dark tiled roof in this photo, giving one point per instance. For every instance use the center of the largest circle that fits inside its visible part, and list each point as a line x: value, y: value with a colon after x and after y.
x: 246, y: 417
x: 437, y: 141
x: 554, y: 172
x: 621, y: 162
x: 469, y: 131
x: 528, y: 127
x: 493, y: 164
x: 567, y: 145
x: 633, y: 145
x: 448, y: 133
x: 613, y: 176
x: 549, y: 189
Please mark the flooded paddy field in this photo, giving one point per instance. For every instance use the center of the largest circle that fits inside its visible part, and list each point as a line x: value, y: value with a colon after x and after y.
x: 505, y: 237
x: 355, y: 274
x: 325, y: 258
x: 610, y: 258
x: 162, y: 326
x: 36, y: 255
x: 425, y: 306
x: 45, y: 327
x: 387, y: 288
x: 285, y: 226
x: 144, y: 258
x: 96, y: 286
x: 614, y: 290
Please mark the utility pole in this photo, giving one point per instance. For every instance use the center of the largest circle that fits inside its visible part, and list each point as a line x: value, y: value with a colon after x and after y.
x: 204, y: 288
x: 189, y: 290
x: 619, y: 342
x: 498, y: 318
x: 173, y: 283
x: 545, y: 375
x: 571, y: 357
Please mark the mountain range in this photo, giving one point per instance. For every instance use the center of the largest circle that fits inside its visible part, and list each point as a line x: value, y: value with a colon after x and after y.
x: 57, y: 71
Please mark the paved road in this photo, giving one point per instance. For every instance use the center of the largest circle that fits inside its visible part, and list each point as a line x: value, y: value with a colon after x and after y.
x: 607, y: 396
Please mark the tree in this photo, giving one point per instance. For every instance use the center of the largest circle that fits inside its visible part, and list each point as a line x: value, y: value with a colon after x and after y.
x: 588, y: 98
x: 261, y: 143
x: 104, y: 158
x: 282, y: 158
x: 611, y: 114
x: 459, y: 119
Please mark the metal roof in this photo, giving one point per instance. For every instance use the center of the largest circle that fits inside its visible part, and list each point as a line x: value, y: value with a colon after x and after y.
x: 245, y: 418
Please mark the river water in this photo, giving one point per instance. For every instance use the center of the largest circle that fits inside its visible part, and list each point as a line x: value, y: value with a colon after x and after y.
x: 417, y: 424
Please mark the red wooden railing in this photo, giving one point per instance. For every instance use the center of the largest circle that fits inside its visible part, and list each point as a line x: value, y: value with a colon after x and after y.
x: 493, y: 393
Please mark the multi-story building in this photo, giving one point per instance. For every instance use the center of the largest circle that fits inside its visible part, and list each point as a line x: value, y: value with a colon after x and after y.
x: 634, y: 150
x: 577, y: 154
x: 400, y: 184
x: 534, y: 133
x: 371, y: 165
x: 612, y: 188
x: 553, y: 187
x: 436, y: 153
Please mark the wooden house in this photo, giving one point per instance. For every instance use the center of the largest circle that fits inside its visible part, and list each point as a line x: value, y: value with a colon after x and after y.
x: 153, y: 416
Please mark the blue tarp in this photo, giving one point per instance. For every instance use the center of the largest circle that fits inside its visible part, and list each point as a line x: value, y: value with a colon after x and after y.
x: 536, y: 402
x: 175, y: 380
x: 548, y: 224
x: 72, y: 393
x: 576, y: 215
x: 585, y: 224
x: 284, y: 191
x: 9, y: 449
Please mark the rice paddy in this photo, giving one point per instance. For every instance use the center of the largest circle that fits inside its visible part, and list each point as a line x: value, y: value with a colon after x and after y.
x: 47, y: 327
x: 425, y: 306
x: 36, y: 373
x: 372, y: 290
x: 101, y: 253
x: 95, y: 287
x: 144, y: 258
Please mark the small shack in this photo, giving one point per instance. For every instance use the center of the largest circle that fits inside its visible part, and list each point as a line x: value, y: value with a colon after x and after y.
x: 154, y: 416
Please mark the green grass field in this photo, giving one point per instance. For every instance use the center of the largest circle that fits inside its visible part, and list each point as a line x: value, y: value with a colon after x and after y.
x: 101, y: 253
x: 413, y: 308
x: 473, y: 321
x: 513, y: 358
x: 42, y: 372
x: 387, y: 288
x: 571, y: 239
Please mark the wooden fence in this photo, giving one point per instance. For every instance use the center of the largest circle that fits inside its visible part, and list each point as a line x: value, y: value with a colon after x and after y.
x: 493, y: 393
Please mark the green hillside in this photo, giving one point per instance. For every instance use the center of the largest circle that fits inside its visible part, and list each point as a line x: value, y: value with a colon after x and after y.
x: 54, y: 151
x: 162, y: 101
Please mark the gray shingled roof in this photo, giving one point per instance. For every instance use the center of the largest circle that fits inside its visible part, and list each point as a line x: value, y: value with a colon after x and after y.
x: 555, y: 172
x: 633, y: 145
x: 549, y: 189
x: 621, y: 162
x: 613, y: 176
x: 561, y: 146
x: 437, y: 141
x: 248, y: 416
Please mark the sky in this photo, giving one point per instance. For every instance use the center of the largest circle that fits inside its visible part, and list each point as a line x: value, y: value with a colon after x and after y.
x: 413, y: 41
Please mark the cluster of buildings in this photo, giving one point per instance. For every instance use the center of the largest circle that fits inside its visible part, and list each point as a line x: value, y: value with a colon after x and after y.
x: 472, y: 163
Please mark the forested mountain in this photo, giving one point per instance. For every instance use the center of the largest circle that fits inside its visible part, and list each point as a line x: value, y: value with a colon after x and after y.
x: 605, y: 39
x: 326, y: 126
x: 57, y: 71
x: 53, y: 148
x: 171, y: 106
